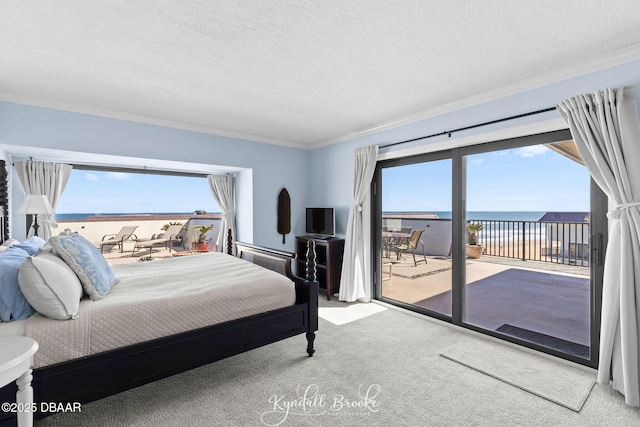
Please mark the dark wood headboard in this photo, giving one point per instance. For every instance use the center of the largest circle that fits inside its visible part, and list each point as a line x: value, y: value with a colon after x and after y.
x: 4, y: 202
x: 273, y: 259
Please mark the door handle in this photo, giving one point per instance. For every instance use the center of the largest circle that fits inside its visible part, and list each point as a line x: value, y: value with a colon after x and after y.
x: 597, y: 251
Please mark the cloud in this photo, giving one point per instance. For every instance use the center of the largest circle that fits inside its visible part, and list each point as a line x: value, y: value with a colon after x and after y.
x: 91, y: 177
x: 477, y: 161
x: 532, y: 151
x: 118, y: 176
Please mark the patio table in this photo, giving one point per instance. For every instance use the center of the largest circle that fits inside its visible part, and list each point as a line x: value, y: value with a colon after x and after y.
x: 391, y: 239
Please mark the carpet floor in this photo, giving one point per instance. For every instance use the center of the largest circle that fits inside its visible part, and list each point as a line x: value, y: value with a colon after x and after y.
x: 383, y: 369
x: 544, y: 377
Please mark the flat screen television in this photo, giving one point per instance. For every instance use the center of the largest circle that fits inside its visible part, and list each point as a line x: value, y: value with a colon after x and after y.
x: 320, y: 222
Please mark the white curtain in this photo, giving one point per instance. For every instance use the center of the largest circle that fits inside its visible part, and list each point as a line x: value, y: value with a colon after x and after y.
x: 224, y: 190
x: 606, y: 130
x: 44, y: 178
x: 355, y: 279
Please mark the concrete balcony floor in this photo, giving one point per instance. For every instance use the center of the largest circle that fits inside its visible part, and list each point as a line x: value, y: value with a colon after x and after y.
x: 502, y: 294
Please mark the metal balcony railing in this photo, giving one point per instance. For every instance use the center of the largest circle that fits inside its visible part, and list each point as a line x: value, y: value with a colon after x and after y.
x: 557, y: 242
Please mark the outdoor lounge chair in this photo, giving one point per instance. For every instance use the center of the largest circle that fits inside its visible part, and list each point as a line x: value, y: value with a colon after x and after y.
x: 111, y: 240
x: 172, y: 234
x: 411, y: 245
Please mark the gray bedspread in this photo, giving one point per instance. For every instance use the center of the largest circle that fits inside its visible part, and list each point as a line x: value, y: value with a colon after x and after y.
x: 160, y: 298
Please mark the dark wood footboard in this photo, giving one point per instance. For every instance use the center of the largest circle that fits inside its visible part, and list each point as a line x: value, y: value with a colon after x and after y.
x: 306, y: 288
x: 94, y: 377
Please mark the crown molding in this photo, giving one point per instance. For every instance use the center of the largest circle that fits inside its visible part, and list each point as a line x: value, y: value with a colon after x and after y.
x: 139, y: 118
x: 574, y: 70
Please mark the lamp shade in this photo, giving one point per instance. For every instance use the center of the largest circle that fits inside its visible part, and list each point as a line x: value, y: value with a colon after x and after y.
x: 35, y: 204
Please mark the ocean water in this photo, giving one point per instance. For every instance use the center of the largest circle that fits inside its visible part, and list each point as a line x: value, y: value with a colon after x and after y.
x: 499, y: 216
x: 491, y: 215
x: 472, y: 215
x: 83, y: 216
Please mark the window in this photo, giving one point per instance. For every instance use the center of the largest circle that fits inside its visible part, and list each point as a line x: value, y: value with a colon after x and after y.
x: 110, y: 192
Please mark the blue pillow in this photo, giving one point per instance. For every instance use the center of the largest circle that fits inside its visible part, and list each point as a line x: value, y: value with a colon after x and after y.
x: 31, y: 245
x: 84, y: 258
x: 13, y: 304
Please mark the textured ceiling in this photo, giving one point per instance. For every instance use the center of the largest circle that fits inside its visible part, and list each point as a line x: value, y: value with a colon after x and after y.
x: 301, y: 73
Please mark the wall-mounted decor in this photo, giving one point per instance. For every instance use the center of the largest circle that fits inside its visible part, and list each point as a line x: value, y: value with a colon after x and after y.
x: 284, y: 213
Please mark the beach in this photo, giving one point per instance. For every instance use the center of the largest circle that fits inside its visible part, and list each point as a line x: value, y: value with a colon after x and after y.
x: 94, y: 228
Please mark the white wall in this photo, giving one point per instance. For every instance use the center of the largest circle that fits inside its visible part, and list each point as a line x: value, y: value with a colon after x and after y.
x: 272, y: 166
x: 335, y: 188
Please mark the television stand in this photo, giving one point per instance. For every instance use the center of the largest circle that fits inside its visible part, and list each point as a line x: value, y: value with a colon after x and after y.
x: 318, y: 237
x: 329, y: 252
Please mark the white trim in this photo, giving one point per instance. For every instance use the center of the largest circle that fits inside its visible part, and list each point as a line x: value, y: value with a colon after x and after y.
x: 448, y: 143
x: 138, y: 118
x: 574, y: 70
x: 93, y: 159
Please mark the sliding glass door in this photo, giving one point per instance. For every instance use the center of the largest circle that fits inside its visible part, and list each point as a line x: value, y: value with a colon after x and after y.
x: 415, y: 233
x: 511, y: 241
x: 528, y: 210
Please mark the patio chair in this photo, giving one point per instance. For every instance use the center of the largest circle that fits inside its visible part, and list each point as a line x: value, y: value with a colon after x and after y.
x: 407, y: 231
x: 118, y: 239
x: 411, y: 245
x: 172, y: 234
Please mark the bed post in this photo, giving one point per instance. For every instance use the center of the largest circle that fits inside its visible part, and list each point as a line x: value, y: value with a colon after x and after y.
x: 4, y: 203
x: 310, y: 267
x: 229, y: 243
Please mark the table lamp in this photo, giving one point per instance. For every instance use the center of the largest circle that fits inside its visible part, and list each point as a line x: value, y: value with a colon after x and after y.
x: 34, y: 205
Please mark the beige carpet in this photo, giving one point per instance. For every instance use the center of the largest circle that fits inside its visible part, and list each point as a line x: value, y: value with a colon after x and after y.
x: 550, y: 379
x: 393, y: 354
x: 349, y: 312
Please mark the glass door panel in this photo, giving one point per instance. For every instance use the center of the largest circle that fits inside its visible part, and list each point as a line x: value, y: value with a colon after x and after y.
x: 415, y: 235
x: 528, y: 227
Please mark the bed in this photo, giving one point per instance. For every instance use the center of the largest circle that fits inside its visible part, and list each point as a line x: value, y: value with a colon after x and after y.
x: 117, y: 360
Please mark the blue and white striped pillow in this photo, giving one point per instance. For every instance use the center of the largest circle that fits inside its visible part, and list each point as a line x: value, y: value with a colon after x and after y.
x: 87, y: 262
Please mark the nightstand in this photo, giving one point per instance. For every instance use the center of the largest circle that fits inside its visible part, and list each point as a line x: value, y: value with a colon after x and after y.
x: 16, y: 358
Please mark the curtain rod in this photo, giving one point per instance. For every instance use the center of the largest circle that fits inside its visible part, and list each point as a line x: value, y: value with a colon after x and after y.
x: 144, y: 170
x: 449, y: 132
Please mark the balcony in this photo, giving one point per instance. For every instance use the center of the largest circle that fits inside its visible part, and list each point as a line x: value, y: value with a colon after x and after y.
x: 532, y: 280
x: 94, y: 228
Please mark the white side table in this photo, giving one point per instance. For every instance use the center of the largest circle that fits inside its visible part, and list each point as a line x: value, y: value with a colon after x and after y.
x: 16, y: 358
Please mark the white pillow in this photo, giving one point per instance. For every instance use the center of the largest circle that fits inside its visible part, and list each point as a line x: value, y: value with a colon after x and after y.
x: 50, y: 286
x: 10, y: 242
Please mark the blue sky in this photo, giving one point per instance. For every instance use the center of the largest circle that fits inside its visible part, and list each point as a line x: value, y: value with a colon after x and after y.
x: 523, y: 179
x: 531, y: 178
x: 115, y: 192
